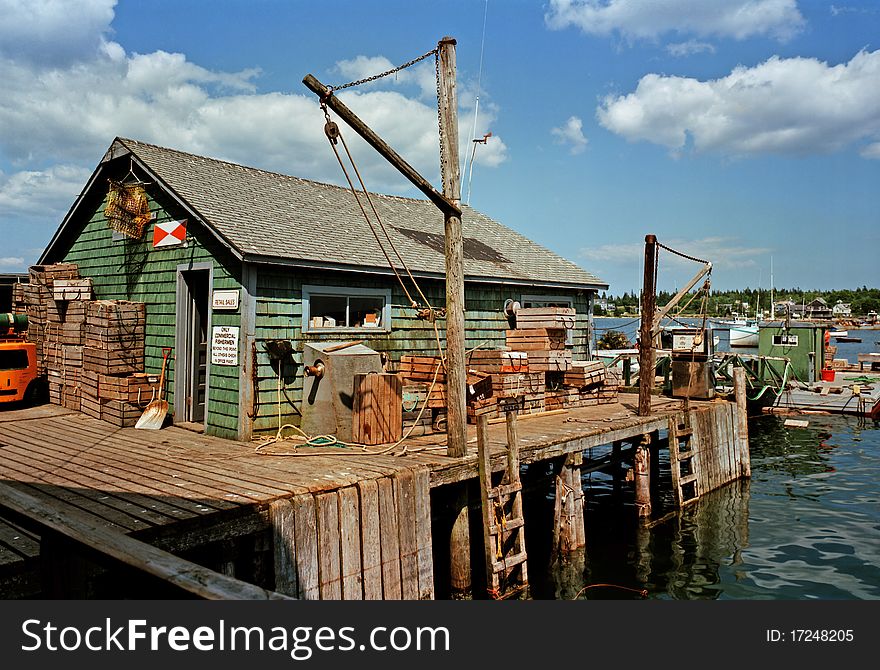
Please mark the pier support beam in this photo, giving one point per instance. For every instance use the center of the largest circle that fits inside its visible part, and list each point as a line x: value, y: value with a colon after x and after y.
x: 460, y: 581
x: 642, y: 472
x: 742, y: 421
x: 568, y: 523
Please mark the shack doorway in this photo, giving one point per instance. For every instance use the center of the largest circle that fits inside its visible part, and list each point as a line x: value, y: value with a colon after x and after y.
x: 191, y: 363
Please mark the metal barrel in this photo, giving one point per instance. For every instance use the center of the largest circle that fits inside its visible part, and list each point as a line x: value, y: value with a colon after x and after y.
x: 16, y: 322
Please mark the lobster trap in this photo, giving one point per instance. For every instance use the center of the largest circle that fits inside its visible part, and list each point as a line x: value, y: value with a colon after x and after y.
x: 128, y: 209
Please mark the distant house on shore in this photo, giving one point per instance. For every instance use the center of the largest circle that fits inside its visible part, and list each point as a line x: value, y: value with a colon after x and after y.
x: 817, y: 309
x: 841, y: 310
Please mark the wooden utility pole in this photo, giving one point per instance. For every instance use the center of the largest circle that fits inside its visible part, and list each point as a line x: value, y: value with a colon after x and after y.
x: 646, y: 334
x: 456, y: 408
x: 456, y: 404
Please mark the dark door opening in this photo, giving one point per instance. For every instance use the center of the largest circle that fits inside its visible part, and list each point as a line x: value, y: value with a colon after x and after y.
x: 192, y: 360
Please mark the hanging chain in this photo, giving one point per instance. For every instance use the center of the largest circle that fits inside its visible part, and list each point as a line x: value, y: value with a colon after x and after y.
x: 678, y: 253
x: 439, y: 115
x: 366, y: 80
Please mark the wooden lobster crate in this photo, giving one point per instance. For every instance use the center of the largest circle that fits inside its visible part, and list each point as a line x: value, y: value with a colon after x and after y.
x: 536, y: 339
x: 545, y: 317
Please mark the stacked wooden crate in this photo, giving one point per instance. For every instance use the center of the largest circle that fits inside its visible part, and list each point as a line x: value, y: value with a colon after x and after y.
x: 115, y: 388
x: 541, y: 333
x: 592, y: 382
x: 55, y: 325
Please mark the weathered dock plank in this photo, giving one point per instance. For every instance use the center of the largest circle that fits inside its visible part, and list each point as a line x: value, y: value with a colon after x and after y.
x: 371, y: 549
x: 306, y: 541
x: 404, y: 495
x: 350, y: 543
x: 390, y: 540
x: 327, y: 505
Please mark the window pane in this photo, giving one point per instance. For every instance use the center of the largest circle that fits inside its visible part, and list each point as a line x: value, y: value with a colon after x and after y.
x: 14, y: 359
x: 327, y: 311
x: 366, y: 311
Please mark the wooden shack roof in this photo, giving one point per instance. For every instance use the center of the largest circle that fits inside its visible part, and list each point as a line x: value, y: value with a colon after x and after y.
x: 274, y: 218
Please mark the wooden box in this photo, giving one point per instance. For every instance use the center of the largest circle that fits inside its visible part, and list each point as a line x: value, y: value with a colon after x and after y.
x: 584, y: 373
x: 113, y: 362
x: 485, y: 360
x: 72, y: 289
x: 511, y: 385
x: 120, y: 414
x: 545, y: 317
x: 532, y: 339
x: 421, y: 368
x: 549, y: 361
x: 377, y: 412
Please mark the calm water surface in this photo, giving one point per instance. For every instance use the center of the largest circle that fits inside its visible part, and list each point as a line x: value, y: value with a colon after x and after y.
x: 805, y: 526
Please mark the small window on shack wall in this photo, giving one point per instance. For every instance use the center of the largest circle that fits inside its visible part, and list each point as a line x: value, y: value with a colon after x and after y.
x: 335, y: 308
x: 551, y: 301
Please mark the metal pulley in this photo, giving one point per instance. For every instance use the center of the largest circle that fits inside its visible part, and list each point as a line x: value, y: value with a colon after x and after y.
x: 332, y: 131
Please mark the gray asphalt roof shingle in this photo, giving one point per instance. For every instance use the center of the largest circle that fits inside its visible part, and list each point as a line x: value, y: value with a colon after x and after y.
x: 269, y: 215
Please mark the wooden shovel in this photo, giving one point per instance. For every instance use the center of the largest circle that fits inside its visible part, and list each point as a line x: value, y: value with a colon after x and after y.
x: 154, y: 415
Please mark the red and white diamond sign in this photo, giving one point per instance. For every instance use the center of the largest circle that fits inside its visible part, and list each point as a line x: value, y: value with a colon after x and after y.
x: 169, y: 233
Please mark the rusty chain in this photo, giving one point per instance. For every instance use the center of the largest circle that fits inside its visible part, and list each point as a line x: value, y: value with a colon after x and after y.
x: 374, y: 77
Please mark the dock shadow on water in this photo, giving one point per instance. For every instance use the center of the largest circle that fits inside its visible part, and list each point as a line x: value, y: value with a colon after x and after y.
x: 805, y: 526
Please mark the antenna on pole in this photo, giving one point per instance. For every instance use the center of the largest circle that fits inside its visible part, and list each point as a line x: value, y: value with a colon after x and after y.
x: 473, y: 153
x: 464, y: 168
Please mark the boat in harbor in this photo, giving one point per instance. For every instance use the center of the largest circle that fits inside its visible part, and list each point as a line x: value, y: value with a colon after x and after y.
x: 838, y: 333
x: 744, y: 334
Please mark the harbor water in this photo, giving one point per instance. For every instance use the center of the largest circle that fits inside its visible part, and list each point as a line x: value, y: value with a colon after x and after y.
x: 805, y: 526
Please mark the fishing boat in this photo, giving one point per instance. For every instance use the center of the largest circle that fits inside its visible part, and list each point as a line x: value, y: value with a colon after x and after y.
x: 848, y: 339
x: 744, y: 335
x: 838, y: 333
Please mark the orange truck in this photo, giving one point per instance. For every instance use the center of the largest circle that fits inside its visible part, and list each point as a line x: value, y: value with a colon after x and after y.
x: 18, y: 362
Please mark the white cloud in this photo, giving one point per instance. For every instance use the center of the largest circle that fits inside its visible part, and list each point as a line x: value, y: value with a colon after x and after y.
x: 689, y: 48
x: 738, y: 19
x: 782, y: 106
x: 871, y: 151
x: 571, y: 133
x: 64, y: 110
x: 728, y: 255
x: 35, y: 192
x: 53, y: 31
x: 422, y: 75
x: 11, y: 262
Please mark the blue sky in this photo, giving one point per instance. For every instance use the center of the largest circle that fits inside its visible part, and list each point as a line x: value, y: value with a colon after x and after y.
x: 734, y: 130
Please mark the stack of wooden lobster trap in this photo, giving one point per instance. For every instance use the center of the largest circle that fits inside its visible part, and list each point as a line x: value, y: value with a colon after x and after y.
x: 535, y: 372
x: 91, y: 351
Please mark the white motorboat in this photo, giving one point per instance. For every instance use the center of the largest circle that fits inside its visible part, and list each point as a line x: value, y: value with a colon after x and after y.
x: 745, y: 335
x: 839, y: 333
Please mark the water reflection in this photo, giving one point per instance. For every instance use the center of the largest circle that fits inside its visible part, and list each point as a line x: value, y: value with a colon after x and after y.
x: 806, y: 526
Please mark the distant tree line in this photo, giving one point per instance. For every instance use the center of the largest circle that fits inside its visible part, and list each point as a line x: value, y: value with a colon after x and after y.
x: 861, y: 300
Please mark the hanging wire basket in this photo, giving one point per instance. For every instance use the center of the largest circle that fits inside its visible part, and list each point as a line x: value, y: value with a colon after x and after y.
x: 127, y: 210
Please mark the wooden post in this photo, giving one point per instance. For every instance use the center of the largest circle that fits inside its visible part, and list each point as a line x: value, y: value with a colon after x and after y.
x: 460, y: 544
x: 646, y: 335
x: 456, y: 383
x: 569, y: 522
x: 742, y: 419
x: 642, y: 472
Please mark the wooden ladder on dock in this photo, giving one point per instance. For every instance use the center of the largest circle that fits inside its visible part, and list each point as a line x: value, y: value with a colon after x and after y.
x: 683, y: 460
x: 503, y: 521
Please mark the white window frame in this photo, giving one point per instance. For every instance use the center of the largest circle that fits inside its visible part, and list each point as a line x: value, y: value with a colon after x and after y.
x: 308, y: 290
x: 544, y: 299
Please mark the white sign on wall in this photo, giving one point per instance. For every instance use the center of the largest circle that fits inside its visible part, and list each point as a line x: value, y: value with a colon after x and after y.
x: 224, y: 345
x: 225, y: 299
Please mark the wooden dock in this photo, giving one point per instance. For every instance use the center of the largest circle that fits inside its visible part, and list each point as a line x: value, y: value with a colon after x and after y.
x: 343, y: 524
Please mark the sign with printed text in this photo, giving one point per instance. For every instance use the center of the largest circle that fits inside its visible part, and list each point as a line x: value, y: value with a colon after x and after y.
x: 224, y: 345
x: 225, y: 299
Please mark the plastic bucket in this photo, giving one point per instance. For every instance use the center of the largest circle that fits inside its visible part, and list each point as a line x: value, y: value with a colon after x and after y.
x: 827, y: 375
